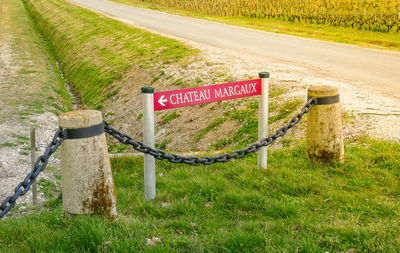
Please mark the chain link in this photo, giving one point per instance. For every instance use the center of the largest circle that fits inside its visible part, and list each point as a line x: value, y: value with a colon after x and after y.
x: 39, y: 166
x: 174, y: 158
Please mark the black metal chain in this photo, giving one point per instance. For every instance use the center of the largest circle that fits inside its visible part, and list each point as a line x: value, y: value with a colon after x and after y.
x: 39, y: 166
x: 161, y: 155
x: 58, y: 138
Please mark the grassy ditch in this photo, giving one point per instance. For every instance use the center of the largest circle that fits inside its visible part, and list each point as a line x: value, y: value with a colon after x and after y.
x: 95, y: 51
x: 294, y: 206
x: 380, y: 40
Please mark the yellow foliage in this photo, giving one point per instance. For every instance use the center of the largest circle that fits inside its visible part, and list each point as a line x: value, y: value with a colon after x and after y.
x: 376, y: 15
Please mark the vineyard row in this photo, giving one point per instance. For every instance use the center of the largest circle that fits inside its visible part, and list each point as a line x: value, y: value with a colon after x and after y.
x: 373, y: 15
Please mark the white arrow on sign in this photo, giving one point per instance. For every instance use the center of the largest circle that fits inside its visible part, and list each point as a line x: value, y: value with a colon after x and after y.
x: 161, y: 100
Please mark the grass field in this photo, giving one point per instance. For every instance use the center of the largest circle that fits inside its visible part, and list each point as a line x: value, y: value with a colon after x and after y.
x: 379, y: 40
x: 294, y: 206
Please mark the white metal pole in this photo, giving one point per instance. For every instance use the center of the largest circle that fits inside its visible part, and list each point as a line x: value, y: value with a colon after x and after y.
x: 263, y: 119
x: 148, y: 139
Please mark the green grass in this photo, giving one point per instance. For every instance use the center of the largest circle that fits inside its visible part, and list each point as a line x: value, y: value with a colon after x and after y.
x: 247, y: 133
x: 293, y: 206
x: 284, y: 109
x: 8, y: 144
x: 388, y: 41
x: 47, y: 187
x: 25, y: 71
x: 96, y: 53
x: 163, y: 145
x: 118, y: 148
x: 217, y: 122
x: 21, y: 137
x: 168, y: 117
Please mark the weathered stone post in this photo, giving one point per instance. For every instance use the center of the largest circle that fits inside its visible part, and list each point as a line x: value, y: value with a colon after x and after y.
x: 87, y: 182
x: 325, y: 126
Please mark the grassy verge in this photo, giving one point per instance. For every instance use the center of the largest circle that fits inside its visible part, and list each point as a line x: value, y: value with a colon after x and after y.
x: 388, y: 41
x: 247, y: 116
x: 294, y: 206
x: 94, y: 51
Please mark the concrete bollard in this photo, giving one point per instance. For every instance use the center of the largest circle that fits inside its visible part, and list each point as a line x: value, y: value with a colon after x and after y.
x: 325, y: 126
x: 87, y: 182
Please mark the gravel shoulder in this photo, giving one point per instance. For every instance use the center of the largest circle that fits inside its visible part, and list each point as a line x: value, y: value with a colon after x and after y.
x: 367, y: 111
x: 27, y: 98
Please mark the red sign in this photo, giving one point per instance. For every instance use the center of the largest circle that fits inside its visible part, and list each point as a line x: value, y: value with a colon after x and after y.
x: 206, y: 94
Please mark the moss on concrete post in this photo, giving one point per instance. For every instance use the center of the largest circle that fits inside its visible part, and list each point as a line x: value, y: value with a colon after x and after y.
x: 325, y: 127
x: 87, y: 182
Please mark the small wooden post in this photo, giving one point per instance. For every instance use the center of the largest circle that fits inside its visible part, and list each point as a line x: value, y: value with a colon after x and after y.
x: 87, y: 182
x: 33, y: 160
x: 325, y: 126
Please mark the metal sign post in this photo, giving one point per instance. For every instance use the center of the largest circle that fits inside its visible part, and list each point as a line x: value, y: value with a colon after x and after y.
x: 263, y: 119
x: 206, y: 94
x: 148, y: 139
x: 194, y: 96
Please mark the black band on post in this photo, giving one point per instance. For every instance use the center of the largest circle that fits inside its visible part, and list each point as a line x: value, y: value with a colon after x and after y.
x: 87, y: 132
x: 263, y: 75
x: 326, y: 100
x: 147, y: 90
